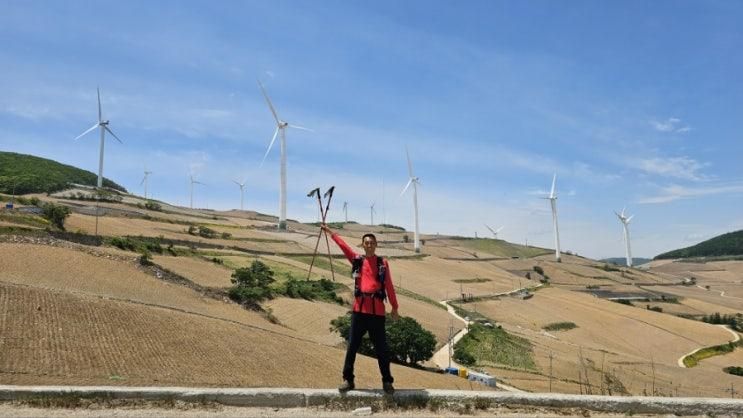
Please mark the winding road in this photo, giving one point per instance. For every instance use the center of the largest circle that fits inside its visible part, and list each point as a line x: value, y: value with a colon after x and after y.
x: 441, y: 357
x: 736, y: 338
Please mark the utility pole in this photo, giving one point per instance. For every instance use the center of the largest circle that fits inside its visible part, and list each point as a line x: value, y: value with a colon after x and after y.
x: 551, y: 371
x: 451, y: 331
x: 731, y: 390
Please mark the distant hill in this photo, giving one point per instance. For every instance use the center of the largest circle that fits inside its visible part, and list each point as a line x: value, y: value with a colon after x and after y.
x: 622, y: 261
x: 725, y: 244
x: 32, y: 174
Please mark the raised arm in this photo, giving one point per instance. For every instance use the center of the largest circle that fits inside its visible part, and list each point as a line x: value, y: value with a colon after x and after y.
x: 347, y: 251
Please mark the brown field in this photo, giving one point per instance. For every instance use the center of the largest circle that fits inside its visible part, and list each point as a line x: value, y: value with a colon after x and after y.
x: 202, y: 272
x: 629, y: 341
x: 53, y: 337
x: 92, y: 315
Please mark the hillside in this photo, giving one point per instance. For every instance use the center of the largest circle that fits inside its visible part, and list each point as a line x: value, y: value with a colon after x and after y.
x: 79, y: 310
x: 621, y: 261
x: 29, y: 174
x: 723, y: 245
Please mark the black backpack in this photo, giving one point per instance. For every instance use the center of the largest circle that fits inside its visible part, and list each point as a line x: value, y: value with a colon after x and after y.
x: 356, y: 274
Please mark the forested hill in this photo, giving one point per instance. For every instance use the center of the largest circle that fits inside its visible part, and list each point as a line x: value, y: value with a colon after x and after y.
x: 31, y: 174
x: 726, y: 244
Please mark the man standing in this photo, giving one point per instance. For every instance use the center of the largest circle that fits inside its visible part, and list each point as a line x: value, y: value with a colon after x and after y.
x: 372, y: 285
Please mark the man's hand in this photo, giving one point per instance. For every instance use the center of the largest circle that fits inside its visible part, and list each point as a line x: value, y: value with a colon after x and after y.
x: 395, y: 315
x: 326, y: 228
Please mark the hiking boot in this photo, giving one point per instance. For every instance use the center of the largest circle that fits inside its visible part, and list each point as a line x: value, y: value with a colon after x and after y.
x: 346, y: 386
x: 388, y: 388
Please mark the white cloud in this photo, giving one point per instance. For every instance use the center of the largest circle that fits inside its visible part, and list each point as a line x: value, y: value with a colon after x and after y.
x: 676, y: 192
x: 677, y: 167
x: 670, y: 125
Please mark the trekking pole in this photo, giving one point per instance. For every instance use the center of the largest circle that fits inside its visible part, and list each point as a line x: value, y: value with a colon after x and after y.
x: 315, y: 192
x: 328, y: 195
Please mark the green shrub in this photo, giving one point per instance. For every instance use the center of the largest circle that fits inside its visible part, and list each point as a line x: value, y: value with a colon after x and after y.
x: 56, y: 214
x: 251, y: 284
x: 322, y: 289
x: 206, y: 232
x: 152, y: 205
x: 462, y: 356
x: 738, y: 371
x: 539, y: 270
x: 559, y: 326
x: 226, y: 235
x: 409, y: 343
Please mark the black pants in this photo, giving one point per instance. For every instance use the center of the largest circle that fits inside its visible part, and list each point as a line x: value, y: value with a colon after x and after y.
x: 360, y: 324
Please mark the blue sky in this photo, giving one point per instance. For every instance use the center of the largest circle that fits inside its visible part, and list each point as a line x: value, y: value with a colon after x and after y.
x: 631, y: 103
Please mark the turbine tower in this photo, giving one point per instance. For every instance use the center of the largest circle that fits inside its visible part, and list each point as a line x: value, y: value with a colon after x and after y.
x: 414, y: 181
x: 345, y: 210
x: 371, y: 209
x: 242, y: 190
x: 625, y: 226
x: 553, y: 203
x: 144, y: 181
x: 103, y: 125
x: 192, y: 183
x: 495, y: 233
x: 280, y: 129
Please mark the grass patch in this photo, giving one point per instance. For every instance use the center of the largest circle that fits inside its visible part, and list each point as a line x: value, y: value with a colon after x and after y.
x: 404, y: 292
x: 23, y: 219
x: 475, y: 280
x: 502, y: 248
x: 694, y: 359
x: 560, y: 326
x: 488, y: 346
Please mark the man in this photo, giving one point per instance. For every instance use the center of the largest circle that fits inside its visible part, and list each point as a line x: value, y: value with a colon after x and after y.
x: 372, y: 285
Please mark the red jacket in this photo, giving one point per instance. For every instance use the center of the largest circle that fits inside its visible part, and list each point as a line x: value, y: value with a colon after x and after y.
x: 368, y: 282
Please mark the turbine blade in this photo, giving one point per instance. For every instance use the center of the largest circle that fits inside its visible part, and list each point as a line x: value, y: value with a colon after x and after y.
x: 300, y: 127
x: 491, y: 229
x: 83, y: 134
x: 270, y: 105
x: 329, y: 192
x: 630, y: 218
x: 235, y: 181
x: 410, y: 165
x: 623, y: 209
x: 552, y: 192
x: 143, y: 179
x: 406, y: 187
x: 499, y: 229
x: 100, y: 113
x: 313, y: 192
x: 275, y: 133
x: 114, y: 135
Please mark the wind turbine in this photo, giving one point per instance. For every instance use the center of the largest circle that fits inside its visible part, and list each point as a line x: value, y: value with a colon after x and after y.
x: 371, y: 208
x: 242, y: 189
x: 280, y: 129
x: 414, y: 181
x: 625, y: 226
x: 103, y: 125
x: 144, y: 181
x: 192, y: 183
x: 553, y: 203
x: 495, y: 233
x: 345, y: 210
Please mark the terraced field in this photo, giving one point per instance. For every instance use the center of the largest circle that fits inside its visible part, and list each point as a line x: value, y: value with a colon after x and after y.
x: 77, y: 314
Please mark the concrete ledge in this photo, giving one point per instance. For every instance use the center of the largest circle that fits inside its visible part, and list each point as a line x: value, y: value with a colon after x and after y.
x: 294, y: 398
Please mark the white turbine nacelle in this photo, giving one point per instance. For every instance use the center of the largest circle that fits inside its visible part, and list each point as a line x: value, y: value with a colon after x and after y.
x: 625, y: 228
x: 103, y: 125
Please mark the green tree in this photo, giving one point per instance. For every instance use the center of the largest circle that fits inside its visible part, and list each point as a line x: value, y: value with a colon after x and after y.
x: 56, y: 214
x: 409, y: 343
x: 251, y: 284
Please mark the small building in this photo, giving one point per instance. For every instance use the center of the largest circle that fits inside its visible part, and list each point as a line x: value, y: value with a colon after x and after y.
x: 483, y: 378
